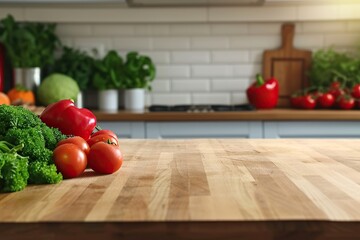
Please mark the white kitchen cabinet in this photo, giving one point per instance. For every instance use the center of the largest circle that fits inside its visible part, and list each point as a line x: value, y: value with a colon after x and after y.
x: 213, y: 129
x: 311, y: 129
x: 125, y: 129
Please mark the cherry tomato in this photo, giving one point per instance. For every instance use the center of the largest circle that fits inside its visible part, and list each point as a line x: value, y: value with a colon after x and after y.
x: 335, y: 85
x: 355, y: 91
x: 78, y: 141
x: 103, y: 138
x: 70, y: 160
x: 104, y: 131
x: 308, y: 102
x: 336, y: 92
x: 295, y: 101
x: 105, y: 158
x: 346, y: 102
x: 326, y: 100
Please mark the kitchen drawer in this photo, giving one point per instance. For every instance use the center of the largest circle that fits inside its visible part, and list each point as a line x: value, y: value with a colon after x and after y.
x: 125, y: 129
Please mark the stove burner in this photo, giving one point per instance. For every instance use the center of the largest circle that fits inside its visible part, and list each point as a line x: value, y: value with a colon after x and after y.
x: 201, y: 108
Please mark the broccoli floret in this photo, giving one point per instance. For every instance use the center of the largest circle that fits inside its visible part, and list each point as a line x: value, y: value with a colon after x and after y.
x: 33, y: 140
x: 51, y: 136
x: 13, y: 168
x: 42, y: 173
x: 16, y: 117
x: 21, y: 127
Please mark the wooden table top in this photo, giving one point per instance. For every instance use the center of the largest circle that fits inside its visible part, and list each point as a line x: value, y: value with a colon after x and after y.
x: 257, y: 115
x: 203, y: 186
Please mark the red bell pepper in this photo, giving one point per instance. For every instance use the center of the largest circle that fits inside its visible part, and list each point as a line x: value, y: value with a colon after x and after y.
x: 69, y: 119
x: 263, y: 94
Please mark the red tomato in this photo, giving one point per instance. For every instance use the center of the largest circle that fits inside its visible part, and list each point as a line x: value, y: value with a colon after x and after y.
x: 69, y: 160
x: 336, y: 92
x: 346, y: 102
x: 78, y: 141
x: 105, y: 158
x: 325, y: 100
x: 103, y: 138
x: 335, y: 85
x: 104, y: 131
x: 295, y: 101
x: 308, y: 102
x: 355, y: 91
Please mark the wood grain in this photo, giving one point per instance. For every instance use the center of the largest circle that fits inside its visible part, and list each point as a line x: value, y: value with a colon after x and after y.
x: 201, y: 189
x: 288, y: 64
x: 274, y: 114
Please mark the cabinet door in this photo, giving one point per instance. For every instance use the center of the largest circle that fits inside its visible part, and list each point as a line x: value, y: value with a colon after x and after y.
x: 244, y: 129
x: 125, y: 129
x: 311, y: 129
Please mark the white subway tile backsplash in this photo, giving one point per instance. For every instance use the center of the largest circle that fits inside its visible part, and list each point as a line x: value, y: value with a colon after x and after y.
x: 256, y: 56
x: 342, y: 40
x: 211, y: 98
x: 209, y: 43
x: 255, y: 42
x: 308, y: 40
x: 158, y: 57
x: 212, y: 71
x: 324, y: 27
x: 229, y: 85
x: 353, y: 26
x: 113, y: 29
x: 152, y: 30
x: 132, y: 43
x: 229, y: 29
x: 160, y: 85
x: 171, y: 98
x: 171, y: 43
x: 239, y: 98
x: 190, y: 85
x: 230, y: 56
x: 172, y: 71
x: 74, y: 29
x: 190, y: 57
x: 349, y: 11
x: 189, y: 30
x: 265, y: 28
x: 318, y: 12
x: 100, y: 45
x: 247, y: 70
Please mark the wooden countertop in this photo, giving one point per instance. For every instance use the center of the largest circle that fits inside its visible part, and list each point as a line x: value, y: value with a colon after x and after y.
x: 201, y: 189
x: 258, y: 115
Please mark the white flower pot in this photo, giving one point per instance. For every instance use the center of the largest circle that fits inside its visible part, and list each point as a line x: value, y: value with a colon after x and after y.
x: 108, y: 100
x: 135, y: 99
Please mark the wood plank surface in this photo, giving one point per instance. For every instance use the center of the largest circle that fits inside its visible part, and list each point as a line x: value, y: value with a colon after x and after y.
x: 273, y: 114
x: 288, y: 64
x: 272, y: 189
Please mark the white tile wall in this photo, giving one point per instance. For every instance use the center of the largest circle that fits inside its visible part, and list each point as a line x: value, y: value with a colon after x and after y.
x: 202, y: 55
x: 206, y: 63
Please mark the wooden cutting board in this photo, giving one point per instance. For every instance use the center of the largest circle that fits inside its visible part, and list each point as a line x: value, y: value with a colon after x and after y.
x: 288, y: 65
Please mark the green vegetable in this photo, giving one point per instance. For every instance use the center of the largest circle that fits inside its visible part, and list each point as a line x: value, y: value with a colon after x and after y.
x: 329, y: 65
x: 57, y: 87
x: 108, y: 72
x: 25, y: 129
x: 139, y: 71
x: 13, y: 168
x: 28, y: 44
x: 75, y: 64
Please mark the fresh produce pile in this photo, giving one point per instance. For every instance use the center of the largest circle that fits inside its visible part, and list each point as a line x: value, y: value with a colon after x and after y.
x: 61, y: 143
x: 334, y: 82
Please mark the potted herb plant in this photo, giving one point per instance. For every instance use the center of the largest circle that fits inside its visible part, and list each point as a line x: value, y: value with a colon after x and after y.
x: 139, y: 72
x: 108, y: 77
x: 79, y: 66
x: 30, y: 47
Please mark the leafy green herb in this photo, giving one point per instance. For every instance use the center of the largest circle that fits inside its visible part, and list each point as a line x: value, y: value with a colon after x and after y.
x: 29, y: 44
x: 329, y: 65
x: 139, y: 71
x: 76, y: 64
x: 108, y: 72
